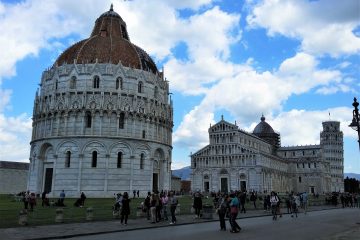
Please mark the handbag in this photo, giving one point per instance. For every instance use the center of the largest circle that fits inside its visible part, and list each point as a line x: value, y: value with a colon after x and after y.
x: 234, y: 210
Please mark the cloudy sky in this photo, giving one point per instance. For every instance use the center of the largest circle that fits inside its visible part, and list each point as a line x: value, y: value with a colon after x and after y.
x: 296, y: 62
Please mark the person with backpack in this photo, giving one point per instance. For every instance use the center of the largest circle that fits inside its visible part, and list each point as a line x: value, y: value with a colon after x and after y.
x: 274, y: 204
x: 197, y: 204
x: 125, y: 209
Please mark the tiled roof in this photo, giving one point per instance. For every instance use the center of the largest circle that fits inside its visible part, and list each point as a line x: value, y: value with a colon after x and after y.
x: 14, y: 165
x: 109, y: 43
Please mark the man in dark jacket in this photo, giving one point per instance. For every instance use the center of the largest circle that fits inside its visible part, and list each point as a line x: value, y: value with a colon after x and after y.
x: 197, y: 204
x: 242, y: 199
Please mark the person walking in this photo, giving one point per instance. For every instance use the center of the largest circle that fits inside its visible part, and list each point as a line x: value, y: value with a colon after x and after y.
x: 288, y: 204
x: 274, y: 204
x: 147, y: 205
x: 164, y: 199
x: 125, y: 209
x: 173, y: 203
x: 153, y: 208
x: 242, y: 199
x: 32, y: 201
x: 305, y: 201
x: 26, y: 199
x: 295, y: 205
x: 197, y: 204
x: 44, y: 199
x: 234, y: 210
x: 62, y: 198
x: 118, y: 204
x: 222, y: 205
x: 253, y: 198
x: 82, y: 199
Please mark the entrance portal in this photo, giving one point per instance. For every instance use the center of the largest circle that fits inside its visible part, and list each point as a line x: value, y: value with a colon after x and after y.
x: 48, y: 179
x: 155, y: 182
x: 243, y: 186
x: 224, y: 185
x: 206, y: 186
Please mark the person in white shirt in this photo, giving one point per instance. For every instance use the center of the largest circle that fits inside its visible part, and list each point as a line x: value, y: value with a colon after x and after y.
x: 274, y: 203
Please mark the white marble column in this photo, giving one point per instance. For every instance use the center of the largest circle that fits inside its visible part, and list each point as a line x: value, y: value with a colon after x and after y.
x: 81, y: 158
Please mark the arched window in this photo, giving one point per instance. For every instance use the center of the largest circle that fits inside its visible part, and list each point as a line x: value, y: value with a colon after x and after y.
x: 56, y: 84
x: 143, y: 134
x: 73, y: 82
x: 119, y: 83
x: 94, y: 159
x: 140, y: 87
x: 121, y: 120
x: 142, y: 161
x: 119, y: 160
x: 88, y: 119
x: 68, y: 158
x: 96, y: 82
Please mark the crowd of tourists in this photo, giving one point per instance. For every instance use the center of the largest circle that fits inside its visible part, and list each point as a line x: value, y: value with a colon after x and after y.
x: 156, y: 206
x: 161, y: 206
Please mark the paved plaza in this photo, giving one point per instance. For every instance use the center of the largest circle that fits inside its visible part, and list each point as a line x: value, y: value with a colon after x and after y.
x: 96, y: 230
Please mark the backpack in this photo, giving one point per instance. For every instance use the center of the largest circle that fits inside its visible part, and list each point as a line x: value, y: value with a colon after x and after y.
x: 147, y: 201
x: 174, y: 201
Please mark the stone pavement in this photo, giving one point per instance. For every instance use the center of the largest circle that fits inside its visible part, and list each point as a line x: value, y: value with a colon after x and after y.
x: 67, y: 230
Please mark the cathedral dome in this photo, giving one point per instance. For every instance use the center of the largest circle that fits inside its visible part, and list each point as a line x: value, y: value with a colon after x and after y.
x: 263, y: 127
x: 109, y: 43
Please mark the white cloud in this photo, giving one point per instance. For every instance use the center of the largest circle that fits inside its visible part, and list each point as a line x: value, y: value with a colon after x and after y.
x: 32, y: 25
x: 300, y: 127
x: 190, y: 132
x: 4, y: 98
x: 250, y: 93
x: 15, y: 133
x: 324, y: 27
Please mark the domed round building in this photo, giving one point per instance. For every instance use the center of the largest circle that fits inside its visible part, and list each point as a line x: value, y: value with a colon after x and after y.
x: 102, y: 120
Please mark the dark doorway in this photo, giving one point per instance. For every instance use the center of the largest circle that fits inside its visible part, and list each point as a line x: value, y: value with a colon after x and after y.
x: 155, y: 182
x: 48, y: 179
x: 312, y: 190
x: 224, y: 185
x: 206, y: 186
x: 243, y: 186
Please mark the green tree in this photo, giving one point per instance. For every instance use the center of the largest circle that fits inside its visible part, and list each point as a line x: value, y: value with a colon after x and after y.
x: 351, y: 185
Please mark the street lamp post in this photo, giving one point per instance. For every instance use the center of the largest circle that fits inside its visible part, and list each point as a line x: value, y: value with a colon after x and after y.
x: 355, y: 124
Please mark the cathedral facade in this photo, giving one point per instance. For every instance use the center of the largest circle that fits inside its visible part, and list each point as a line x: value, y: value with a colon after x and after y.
x: 102, y: 119
x: 238, y: 160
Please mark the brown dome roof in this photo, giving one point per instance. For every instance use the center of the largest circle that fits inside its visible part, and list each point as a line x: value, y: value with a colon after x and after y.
x: 109, y: 42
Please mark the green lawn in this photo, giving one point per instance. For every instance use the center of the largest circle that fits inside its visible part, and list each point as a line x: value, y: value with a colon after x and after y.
x: 102, y: 210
